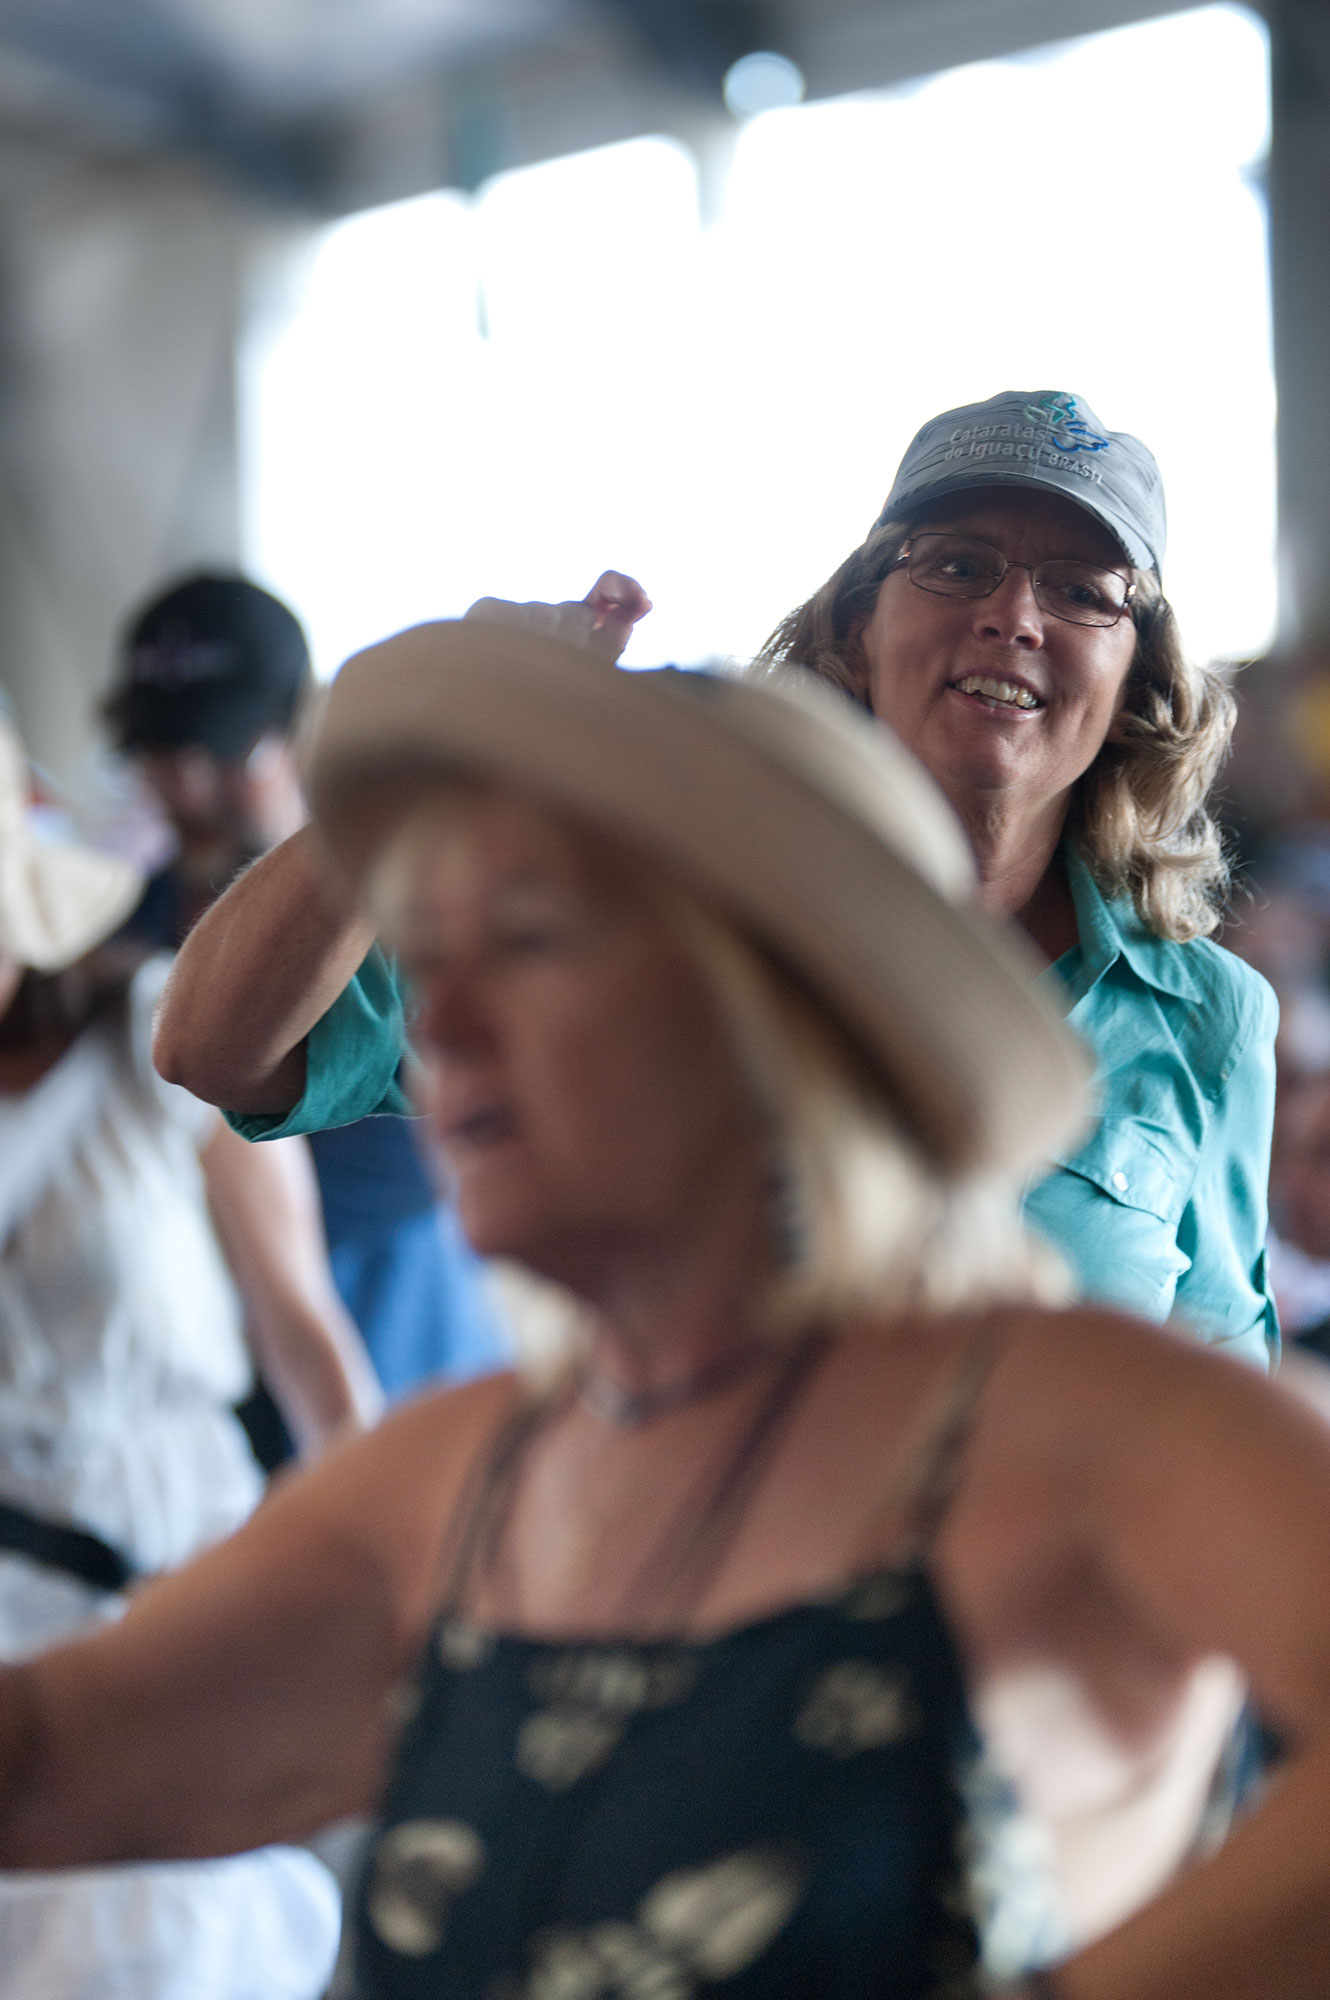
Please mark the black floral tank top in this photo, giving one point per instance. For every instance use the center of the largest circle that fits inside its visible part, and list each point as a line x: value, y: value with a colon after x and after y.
x: 796, y: 1810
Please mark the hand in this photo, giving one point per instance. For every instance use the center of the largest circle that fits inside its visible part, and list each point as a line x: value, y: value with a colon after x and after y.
x: 617, y: 602
x: 602, y: 620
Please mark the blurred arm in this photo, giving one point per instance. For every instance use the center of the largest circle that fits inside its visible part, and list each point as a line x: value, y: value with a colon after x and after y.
x: 256, y: 973
x: 263, y: 966
x: 264, y: 1202
x: 1201, y: 1495
x: 248, y: 1697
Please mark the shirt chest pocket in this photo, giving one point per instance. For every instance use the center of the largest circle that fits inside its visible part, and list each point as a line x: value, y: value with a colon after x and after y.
x: 1113, y: 1210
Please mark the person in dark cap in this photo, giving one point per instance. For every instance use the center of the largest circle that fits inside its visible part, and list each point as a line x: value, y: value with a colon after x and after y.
x: 211, y: 680
x: 215, y: 660
x: 211, y: 677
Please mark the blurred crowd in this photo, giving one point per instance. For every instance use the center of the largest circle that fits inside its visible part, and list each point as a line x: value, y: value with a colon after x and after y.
x: 716, y: 991
x: 1277, y: 802
x: 182, y: 1313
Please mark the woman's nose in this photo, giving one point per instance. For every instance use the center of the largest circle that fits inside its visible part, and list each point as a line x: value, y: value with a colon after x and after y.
x: 186, y: 781
x: 450, y: 1014
x: 1012, y: 614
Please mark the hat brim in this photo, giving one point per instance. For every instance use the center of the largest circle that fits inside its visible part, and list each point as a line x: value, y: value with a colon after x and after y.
x: 805, y: 824
x: 58, y: 901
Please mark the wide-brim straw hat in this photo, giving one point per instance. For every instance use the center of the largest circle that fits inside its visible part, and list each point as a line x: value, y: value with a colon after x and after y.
x: 783, y: 808
x: 57, y: 898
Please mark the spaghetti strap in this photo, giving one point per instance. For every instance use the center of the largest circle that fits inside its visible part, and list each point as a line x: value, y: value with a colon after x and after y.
x: 479, y: 1520
x: 943, y: 1448
x: 678, y: 1571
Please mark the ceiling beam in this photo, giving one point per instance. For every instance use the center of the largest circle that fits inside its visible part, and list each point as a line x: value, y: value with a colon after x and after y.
x: 858, y: 46
x: 572, y: 80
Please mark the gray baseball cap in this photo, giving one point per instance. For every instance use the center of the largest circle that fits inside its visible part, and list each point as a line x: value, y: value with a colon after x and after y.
x: 1040, y: 437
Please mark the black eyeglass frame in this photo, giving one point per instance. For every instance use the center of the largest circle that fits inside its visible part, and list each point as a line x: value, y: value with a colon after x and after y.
x: 941, y: 535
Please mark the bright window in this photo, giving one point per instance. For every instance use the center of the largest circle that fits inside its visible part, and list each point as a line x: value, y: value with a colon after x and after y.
x: 503, y: 395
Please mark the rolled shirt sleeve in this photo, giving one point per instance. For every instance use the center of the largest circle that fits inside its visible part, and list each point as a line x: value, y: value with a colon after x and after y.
x: 354, y: 1059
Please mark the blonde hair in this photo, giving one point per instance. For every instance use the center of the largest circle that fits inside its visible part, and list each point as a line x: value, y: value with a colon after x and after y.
x: 1139, y: 815
x: 863, y: 1223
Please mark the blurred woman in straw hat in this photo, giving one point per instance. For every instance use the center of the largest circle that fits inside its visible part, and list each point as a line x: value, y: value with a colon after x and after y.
x: 121, y: 1353
x: 730, y: 1658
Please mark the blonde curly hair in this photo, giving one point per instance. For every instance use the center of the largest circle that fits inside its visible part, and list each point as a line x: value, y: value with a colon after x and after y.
x: 1140, y: 816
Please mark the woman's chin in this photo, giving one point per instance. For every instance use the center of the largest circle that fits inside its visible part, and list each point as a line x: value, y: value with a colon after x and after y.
x: 980, y: 752
x: 506, y: 1230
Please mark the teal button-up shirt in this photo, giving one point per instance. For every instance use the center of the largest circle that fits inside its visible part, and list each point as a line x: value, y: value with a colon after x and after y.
x: 1163, y: 1209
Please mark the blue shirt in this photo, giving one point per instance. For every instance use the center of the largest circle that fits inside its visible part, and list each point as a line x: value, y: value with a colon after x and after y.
x: 1163, y: 1209
x: 406, y: 1274
x: 398, y: 1258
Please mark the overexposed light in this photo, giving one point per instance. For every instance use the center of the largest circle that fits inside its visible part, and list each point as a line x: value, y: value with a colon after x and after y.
x: 505, y: 394
x: 763, y: 81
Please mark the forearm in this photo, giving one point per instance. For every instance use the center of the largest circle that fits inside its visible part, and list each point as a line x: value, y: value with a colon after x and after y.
x: 245, y: 1698
x: 319, y: 1372
x: 204, y: 1722
x: 21, y: 1744
x: 255, y: 974
x: 265, y: 1205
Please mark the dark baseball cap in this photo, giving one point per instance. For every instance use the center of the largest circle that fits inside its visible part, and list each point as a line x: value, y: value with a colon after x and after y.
x: 1044, y: 438
x: 214, y: 661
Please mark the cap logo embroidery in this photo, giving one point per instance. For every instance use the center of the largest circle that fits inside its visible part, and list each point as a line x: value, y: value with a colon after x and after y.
x: 171, y: 663
x: 1053, y: 433
x: 1066, y: 427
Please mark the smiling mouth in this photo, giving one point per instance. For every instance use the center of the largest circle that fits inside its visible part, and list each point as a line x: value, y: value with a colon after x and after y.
x: 998, y: 694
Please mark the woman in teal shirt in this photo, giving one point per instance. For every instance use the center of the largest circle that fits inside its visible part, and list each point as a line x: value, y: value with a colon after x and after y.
x: 1005, y: 616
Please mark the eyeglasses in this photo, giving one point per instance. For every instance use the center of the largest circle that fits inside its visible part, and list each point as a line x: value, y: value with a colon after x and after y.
x: 958, y: 566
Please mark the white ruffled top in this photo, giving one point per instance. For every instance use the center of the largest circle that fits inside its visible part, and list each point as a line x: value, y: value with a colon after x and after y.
x: 121, y: 1340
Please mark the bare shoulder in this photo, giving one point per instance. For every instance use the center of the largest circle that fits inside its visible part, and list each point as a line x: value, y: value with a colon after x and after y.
x: 1074, y: 1409
x: 392, y: 1494
x: 1078, y: 1351
x: 1088, y: 1384
x: 1066, y: 1350
x: 1095, y: 1428
x: 1012, y: 1342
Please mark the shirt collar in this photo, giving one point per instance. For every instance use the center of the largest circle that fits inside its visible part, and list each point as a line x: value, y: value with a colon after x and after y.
x: 1109, y: 931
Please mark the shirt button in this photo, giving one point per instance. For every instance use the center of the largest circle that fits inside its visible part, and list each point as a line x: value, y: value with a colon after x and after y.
x: 1120, y: 1182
